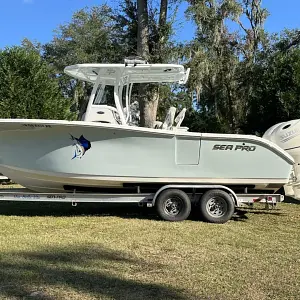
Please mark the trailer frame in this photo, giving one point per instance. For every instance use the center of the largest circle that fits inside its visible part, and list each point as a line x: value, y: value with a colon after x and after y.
x: 194, y: 192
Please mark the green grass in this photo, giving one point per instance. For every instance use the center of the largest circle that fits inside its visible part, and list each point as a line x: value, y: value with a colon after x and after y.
x: 55, y: 251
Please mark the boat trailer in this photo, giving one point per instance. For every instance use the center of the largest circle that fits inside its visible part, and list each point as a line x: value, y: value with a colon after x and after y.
x: 216, y: 203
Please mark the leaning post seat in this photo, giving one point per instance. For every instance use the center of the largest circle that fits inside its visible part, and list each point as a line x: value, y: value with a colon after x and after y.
x: 102, y: 114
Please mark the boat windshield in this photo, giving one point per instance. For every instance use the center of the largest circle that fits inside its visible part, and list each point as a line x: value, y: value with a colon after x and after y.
x: 104, y: 95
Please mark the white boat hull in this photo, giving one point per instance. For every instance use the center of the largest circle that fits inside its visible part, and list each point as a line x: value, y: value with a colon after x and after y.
x: 48, y: 156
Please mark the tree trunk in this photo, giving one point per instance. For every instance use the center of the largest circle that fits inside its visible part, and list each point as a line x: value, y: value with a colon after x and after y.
x: 163, y: 13
x: 143, y: 29
x: 148, y: 105
x: 149, y: 93
x: 232, y: 110
x: 162, y: 27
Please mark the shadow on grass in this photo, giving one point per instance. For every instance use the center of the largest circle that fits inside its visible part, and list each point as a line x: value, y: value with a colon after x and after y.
x: 87, y: 270
x: 240, y: 216
x: 124, y: 211
x: 33, y: 209
x: 291, y: 200
x: 258, y: 211
x: 267, y: 212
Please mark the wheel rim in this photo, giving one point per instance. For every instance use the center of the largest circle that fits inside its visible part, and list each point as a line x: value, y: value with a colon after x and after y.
x: 216, y: 207
x: 173, y: 206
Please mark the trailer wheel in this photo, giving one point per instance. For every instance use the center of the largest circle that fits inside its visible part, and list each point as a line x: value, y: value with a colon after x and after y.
x: 216, y: 206
x: 173, y: 205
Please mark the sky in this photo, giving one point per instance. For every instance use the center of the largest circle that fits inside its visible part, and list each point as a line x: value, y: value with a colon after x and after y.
x: 37, y: 19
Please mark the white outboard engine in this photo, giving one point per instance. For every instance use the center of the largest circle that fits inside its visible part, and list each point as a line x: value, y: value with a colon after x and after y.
x: 287, y: 136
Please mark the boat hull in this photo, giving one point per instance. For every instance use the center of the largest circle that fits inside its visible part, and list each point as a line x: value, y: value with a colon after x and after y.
x: 48, y: 156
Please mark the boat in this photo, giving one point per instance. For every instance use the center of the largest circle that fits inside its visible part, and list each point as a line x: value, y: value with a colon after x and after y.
x: 106, y: 150
x: 287, y: 136
x: 3, y: 178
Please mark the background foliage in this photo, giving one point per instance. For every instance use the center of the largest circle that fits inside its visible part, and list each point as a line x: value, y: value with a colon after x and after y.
x: 242, y: 80
x: 28, y: 88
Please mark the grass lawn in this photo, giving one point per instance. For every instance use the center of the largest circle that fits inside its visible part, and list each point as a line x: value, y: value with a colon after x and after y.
x: 55, y: 251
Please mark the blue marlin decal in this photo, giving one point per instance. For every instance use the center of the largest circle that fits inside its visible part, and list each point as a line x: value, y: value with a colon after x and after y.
x: 81, y: 146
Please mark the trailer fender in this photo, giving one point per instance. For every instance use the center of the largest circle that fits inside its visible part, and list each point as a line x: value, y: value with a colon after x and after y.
x: 193, y: 186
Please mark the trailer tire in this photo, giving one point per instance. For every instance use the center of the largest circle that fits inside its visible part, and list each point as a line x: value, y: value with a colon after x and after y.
x: 173, y: 205
x: 216, y: 206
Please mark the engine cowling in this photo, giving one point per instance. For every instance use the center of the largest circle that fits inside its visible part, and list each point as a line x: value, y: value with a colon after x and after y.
x: 287, y: 136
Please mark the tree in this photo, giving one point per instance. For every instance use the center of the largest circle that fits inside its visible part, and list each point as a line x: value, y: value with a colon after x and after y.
x: 144, y: 29
x: 244, y: 80
x: 152, y: 42
x: 28, y: 88
x: 103, y: 35
x: 276, y: 97
x: 222, y: 59
x: 214, y: 62
x: 90, y: 37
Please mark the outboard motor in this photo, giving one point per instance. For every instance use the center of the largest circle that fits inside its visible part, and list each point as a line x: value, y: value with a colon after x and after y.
x: 287, y: 136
